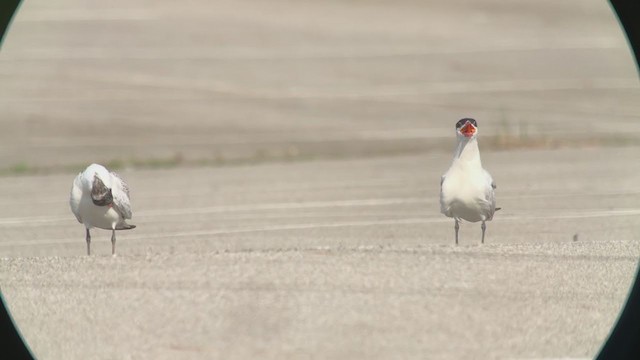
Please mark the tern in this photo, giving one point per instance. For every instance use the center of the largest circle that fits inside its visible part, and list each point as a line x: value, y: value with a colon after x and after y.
x: 467, y: 191
x: 100, y: 198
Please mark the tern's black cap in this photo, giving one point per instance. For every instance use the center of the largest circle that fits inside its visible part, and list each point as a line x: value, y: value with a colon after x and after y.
x: 461, y: 122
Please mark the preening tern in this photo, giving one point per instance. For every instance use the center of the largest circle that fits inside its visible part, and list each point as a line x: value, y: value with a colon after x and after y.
x: 100, y: 198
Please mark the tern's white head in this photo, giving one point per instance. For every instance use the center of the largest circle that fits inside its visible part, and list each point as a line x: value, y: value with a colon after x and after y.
x: 97, y: 179
x: 467, y: 128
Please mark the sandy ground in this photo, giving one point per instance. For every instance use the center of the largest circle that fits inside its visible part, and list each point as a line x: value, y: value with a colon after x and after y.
x: 284, y: 160
x: 331, y: 259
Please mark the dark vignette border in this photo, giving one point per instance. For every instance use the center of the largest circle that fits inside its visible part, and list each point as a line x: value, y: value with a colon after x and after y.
x: 13, y: 346
x: 7, y: 10
x: 624, y: 340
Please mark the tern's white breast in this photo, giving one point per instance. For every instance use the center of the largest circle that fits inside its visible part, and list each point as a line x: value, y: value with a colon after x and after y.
x: 464, y: 195
x: 103, y: 217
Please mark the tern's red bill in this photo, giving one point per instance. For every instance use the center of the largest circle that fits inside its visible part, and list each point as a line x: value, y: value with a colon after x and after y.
x: 468, y: 129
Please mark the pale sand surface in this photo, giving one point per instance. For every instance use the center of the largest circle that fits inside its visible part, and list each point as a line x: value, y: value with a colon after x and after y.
x: 297, y: 216
x: 329, y: 259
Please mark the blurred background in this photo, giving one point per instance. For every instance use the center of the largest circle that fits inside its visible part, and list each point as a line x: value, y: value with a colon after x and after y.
x: 155, y: 83
x: 284, y: 159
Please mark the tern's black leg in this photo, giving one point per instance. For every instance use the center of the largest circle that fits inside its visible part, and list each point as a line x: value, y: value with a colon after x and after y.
x: 88, y: 243
x: 484, y: 227
x: 113, y: 242
x: 457, y: 227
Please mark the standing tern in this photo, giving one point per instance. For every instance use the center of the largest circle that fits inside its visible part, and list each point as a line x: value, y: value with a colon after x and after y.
x: 467, y: 191
x: 100, y: 199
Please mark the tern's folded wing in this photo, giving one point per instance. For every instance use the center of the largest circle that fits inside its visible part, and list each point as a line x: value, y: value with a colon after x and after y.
x: 120, y: 192
x: 490, y: 194
x: 76, y: 195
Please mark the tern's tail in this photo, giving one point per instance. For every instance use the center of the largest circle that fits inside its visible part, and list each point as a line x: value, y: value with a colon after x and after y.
x: 125, y: 226
x: 496, y: 209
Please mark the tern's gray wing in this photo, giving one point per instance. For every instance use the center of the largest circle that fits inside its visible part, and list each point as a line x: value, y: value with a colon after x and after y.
x: 443, y: 206
x: 76, y: 195
x: 120, y: 192
x: 491, y: 197
x: 490, y: 193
